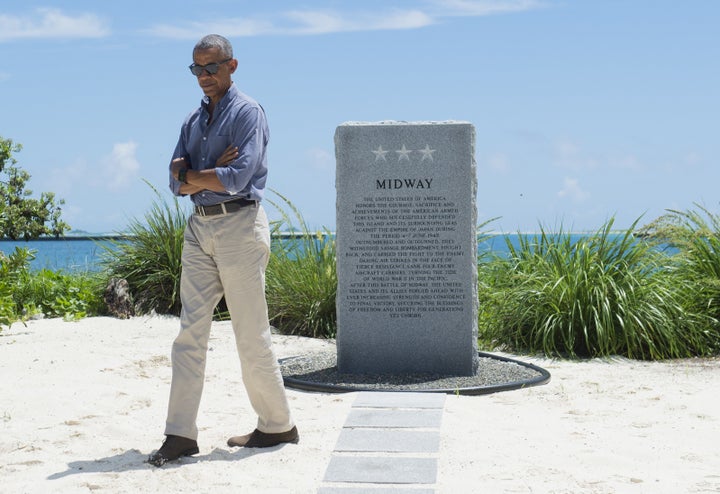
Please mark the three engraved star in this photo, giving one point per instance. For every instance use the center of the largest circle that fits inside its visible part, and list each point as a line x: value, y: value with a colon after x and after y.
x: 404, y: 153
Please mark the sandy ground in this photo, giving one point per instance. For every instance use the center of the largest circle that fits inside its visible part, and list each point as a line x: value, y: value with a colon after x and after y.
x: 83, y: 403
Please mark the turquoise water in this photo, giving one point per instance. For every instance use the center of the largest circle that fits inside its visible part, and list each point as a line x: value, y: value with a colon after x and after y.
x: 73, y: 255
x: 79, y: 255
x: 83, y: 254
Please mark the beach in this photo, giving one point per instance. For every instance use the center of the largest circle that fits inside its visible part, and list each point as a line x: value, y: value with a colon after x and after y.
x: 83, y: 404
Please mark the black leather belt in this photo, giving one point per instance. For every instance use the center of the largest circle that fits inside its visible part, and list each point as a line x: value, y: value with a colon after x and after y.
x: 224, y: 207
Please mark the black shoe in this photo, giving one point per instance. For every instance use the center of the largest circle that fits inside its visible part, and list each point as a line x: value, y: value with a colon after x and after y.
x: 259, y: 439
x: 173, y: 448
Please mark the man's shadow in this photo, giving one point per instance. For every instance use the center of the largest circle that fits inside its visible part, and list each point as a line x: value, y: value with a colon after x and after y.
x: 133, y: 459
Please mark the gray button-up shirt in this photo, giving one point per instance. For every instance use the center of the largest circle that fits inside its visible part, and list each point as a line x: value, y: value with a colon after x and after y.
x: 238, y: 120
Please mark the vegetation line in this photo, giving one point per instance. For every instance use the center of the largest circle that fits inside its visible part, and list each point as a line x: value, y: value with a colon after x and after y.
x: 602, y: 294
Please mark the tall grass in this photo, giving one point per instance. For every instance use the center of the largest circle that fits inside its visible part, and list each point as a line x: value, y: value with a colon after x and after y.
x: 150, y: 258
x: 694, y: 235
x: 301, y: 278
x: 603, y: 294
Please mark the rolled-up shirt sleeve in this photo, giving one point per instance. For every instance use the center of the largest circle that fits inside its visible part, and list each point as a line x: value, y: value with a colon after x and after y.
x: 180, y: 152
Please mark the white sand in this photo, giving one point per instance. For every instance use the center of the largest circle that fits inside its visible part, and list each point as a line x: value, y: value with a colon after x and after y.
x: 82, y: 405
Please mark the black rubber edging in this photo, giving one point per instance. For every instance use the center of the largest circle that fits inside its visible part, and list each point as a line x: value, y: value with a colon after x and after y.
x: 543, y: 378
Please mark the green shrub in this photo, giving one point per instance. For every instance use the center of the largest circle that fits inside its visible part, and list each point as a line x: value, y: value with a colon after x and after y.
x: 12, y: 270
x: 24, y: 293
x: 601, y: 295
x: 301, y: 278
x: 58, y: 294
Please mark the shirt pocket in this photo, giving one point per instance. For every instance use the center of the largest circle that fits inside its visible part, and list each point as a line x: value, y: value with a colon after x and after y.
x: 217, y: 146
x: 224, y: 126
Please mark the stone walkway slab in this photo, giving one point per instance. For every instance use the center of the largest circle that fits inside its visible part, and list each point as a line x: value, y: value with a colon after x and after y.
x: 381, y: 399
x: 382, y: 470
x: 413, y: 418
x: 388, y: 441
x: 409, y: 489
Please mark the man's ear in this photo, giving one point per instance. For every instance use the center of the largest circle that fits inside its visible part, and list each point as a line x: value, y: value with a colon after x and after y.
x: 233, y: 65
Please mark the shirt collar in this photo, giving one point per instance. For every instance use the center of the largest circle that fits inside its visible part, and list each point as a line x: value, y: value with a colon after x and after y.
x: 229, y: 96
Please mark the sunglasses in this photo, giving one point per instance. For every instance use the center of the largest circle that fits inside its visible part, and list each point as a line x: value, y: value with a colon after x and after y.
x: 211, y: 68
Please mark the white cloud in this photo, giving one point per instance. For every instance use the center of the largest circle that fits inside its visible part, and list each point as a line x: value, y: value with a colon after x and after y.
x: 568, y: 154
x: 321, y: 159
x: 691, y: 159
x: 322, y: 22
x: 121, y: 167
x: 298, y: 22
x: 498, y: 162
x: 485, y: 7
x: 572, y: 190
x: 51, y: 23
x: 229, y: 27
x: 627, y: 162
x: 115, y: 171
x: 63, y: 180
x: 313, y: 22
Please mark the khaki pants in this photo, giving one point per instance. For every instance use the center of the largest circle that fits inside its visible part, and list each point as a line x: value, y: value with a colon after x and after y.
x: 226, y: 255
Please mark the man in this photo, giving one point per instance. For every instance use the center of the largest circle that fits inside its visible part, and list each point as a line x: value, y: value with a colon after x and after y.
x: 220, y: 161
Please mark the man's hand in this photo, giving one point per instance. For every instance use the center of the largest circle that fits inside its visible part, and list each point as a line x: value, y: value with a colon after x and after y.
x: 176, y: 165
x: 228, y: 156
x: 180, y: 164
x: 199, y: 180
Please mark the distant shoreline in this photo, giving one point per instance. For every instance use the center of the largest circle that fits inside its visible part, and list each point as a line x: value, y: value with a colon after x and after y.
x: 128, y: 236
x: 108, y: 236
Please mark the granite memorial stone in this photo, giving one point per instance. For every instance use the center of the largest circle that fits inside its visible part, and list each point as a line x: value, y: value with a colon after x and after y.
x: 406, y: 248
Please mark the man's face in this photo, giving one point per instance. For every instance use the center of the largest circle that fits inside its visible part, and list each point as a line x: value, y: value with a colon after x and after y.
x: 214, y: 85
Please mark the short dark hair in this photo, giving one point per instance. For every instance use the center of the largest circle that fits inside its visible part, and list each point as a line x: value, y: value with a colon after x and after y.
x: 215, y: 41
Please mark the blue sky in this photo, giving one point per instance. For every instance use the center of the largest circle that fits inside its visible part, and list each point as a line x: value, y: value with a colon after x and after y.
x: 584, y: 109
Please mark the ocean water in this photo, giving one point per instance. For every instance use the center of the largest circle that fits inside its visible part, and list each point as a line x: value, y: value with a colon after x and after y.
x: 83, y: 254
x: 71, y: 255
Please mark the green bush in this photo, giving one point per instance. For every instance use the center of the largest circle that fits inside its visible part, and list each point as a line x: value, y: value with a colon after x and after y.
x: 12, y: 269
x: 59, y: 294
x: 24, y: 293
x: 301, y: 278
x: 604, y: 294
